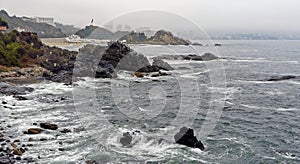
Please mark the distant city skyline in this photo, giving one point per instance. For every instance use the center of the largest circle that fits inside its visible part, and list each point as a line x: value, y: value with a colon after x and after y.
x: 212, y: 15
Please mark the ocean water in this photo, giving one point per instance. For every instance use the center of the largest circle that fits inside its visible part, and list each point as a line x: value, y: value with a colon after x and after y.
x: 238, y: 115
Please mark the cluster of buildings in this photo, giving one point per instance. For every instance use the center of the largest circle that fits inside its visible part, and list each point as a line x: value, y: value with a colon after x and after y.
x: 47, y: 20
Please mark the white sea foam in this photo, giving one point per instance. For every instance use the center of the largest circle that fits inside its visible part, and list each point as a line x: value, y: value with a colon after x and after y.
x: 286, y: 109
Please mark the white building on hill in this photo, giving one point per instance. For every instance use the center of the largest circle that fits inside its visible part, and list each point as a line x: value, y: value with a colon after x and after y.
x: 44, y: 20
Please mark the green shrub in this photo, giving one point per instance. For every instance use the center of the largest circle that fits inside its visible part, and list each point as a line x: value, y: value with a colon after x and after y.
x: 12, y: 51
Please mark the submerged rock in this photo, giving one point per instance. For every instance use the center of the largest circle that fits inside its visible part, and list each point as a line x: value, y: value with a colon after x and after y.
x: 186, y: 137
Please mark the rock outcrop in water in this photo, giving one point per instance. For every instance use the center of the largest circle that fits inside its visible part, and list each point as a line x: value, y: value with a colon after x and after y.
x: 186, y: 137
x: 117, y: 56
x: 281, y: 78
x: 205, y: 57
x: 161, y: 64
x: 49, y: 126
x: 126, y: 139
x: 161, y: 37
x: 11, y: 89
x: 56, y: 64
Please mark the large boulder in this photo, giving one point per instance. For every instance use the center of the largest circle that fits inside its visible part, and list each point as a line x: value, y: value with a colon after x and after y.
x: 162, y: 64
x: 186, y: 137
x: 106, y: 61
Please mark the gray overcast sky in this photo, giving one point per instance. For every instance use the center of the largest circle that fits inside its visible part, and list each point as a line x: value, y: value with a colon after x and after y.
x: 219, y: 15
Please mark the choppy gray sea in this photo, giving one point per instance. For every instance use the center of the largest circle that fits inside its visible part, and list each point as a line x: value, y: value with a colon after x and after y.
x: 258, y: 123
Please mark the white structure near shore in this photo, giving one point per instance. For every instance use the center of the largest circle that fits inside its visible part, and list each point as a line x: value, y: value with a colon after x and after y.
x: 47, y: 20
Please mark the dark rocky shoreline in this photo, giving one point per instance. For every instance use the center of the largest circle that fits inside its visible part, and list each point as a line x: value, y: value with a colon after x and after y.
x: 61, y: 66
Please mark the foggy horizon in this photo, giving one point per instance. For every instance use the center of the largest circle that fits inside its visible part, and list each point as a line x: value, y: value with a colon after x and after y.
x: 213, y: 16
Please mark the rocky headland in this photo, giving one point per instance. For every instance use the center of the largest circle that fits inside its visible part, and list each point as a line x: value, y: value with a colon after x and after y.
x: 96, y: 32
x: 161, y: 37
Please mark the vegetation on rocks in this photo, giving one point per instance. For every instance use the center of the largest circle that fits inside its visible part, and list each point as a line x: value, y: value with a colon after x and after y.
x: 15, y: 51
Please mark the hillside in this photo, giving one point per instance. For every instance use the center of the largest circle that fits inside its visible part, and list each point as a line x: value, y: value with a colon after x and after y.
x: 66, y: 29
x: 43, y: 30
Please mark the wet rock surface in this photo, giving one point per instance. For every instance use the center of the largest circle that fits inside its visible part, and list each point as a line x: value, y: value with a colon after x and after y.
x: 205, y: 57
x: 126, y: 139
x: 161, y: 64
x: 186, y: 137
x: 111, y: 59
x: 11, y: 149
x: 34, y: 131
x: 12, y: 89
x: 281, y: 78
x: 49, y: 126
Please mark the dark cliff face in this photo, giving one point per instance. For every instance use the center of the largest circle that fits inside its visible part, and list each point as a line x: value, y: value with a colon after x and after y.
x: 42, y: 29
